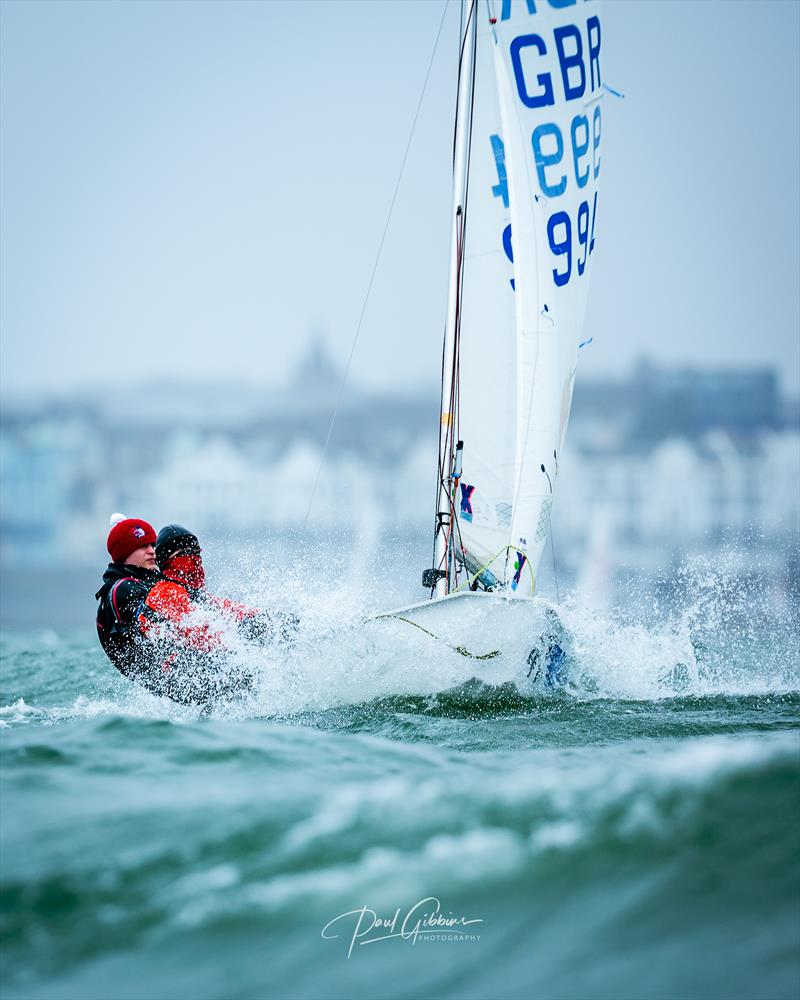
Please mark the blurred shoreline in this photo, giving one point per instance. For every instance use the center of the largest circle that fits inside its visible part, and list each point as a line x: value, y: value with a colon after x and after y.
x: 665, y: 468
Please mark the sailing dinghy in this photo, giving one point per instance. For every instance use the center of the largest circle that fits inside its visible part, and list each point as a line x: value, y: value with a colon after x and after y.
x: 526, y: 165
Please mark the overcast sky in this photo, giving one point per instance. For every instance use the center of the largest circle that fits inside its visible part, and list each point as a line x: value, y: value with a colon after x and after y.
x: 188, y: 189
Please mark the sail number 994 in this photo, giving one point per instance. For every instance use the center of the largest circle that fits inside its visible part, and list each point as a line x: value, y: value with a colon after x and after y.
x: 574, y: 245
x: 572, y: 242
x: 575, y: 250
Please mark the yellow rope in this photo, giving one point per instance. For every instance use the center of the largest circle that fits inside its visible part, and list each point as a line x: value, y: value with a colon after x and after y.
x: 458, y: 649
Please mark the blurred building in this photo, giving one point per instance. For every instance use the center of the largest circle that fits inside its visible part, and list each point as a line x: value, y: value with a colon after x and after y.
x: 682, y: 495
x: 669, y: 461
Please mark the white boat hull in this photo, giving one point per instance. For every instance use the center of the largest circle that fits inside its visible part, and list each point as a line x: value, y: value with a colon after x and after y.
x: 494, y: 631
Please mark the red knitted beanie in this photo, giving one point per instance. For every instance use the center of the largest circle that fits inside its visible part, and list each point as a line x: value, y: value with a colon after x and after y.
x: 128, y: 534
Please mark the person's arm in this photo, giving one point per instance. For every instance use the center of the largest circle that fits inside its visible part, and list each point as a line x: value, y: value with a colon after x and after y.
x: 256, y: 624
x: 125, y: 598
x: 169, y: 603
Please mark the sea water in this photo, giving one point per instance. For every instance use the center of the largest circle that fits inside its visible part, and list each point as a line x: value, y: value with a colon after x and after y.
x: 378, y: 820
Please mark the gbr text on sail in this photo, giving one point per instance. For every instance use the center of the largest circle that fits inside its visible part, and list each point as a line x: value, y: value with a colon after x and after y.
x: 557, y: 83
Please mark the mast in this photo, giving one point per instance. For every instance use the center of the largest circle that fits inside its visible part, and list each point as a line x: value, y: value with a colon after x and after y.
x: 449, y: 454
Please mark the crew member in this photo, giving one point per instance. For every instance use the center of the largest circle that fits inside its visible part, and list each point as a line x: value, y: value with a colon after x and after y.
x: 186, y: 665
x: 131, y: 574
x: 181, y: 590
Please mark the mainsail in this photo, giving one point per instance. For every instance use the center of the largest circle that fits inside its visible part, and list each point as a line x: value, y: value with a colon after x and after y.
x: 529, y: 136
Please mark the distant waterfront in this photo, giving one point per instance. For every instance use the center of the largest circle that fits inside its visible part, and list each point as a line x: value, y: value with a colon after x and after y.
x: 665, y: 467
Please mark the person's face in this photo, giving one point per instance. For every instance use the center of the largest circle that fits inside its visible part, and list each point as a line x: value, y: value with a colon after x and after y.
x: 186, y: 568
x: 144, y: 557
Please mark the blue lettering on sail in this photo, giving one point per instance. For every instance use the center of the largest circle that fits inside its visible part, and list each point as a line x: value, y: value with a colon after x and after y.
x: 500, y: 190
x: 559, y: 246
x: 545, y: 96
x: 596, y: 130
x: 559, y: 236
x: 583, y: 235
x: 508, y: 249
x: 593, y: 30
x: 572, y: 61
x: 505, y: 10
x: 544, y: 160
x: 580, y: 148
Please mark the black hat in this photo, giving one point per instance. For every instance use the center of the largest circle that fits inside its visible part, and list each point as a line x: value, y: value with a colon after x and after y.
x: 174, y: 538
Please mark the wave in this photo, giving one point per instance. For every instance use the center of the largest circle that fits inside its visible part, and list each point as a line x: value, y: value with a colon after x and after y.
x: 615, y: 836
x: 533, y: 840
x: 714, y: 636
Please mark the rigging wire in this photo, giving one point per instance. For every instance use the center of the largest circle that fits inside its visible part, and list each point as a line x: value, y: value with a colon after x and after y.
x: 343, y: 382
